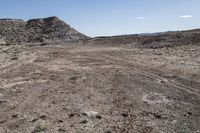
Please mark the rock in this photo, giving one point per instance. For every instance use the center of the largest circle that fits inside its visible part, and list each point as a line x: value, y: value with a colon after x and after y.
x: 71, y: 115
x: 2, y: 121
x: 158, y: 116
x: 43, y: 117
x: 98, y: 116
x: 189, y: 113
x: 162, y: 81
x: 2, y: 99
x: 107, y: 132
x: 83, y: 122
x: 14, y: 116
x: 14, y: 58
x: 92, y: 114
x: 2, y: 42
x: 60, y: 121
x: 124, y: 114
x: 34, y: 119
x: 62, y: 130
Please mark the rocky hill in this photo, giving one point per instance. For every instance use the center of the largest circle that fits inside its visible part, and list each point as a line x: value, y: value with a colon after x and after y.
x: 17, y: 31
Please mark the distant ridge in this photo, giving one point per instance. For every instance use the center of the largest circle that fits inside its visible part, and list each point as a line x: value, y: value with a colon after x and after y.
x: 152, y: 40
x: 18, y: 31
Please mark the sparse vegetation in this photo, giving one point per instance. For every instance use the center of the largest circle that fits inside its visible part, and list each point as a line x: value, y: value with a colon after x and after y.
x: 39, y: 128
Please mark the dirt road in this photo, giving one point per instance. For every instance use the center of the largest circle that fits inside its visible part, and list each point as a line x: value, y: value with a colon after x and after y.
x: 99, y: 89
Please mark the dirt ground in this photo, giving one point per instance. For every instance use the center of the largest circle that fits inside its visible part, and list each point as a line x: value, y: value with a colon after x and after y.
x: 75, y: 88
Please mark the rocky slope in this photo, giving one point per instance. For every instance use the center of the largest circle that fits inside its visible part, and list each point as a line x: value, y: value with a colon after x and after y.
x: 17, y: 31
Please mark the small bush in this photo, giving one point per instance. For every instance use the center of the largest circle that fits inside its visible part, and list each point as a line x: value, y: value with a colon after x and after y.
x: 38, y: 129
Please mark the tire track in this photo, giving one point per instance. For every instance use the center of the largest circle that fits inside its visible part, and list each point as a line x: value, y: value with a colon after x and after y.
x: 129, y: 65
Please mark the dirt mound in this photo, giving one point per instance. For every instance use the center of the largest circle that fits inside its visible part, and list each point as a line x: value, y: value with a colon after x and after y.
x: 17, y: 31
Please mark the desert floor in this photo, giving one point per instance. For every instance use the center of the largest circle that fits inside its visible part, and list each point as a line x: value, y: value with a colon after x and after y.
x: 76, y: 88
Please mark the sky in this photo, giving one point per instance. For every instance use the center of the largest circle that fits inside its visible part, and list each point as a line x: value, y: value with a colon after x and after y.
x: 110, y: 17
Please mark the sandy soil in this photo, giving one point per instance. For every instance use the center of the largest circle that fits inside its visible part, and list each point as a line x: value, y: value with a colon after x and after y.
x: 98, y: 89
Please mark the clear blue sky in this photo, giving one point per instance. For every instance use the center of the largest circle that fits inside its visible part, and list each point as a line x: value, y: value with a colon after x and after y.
x: 110, y: 17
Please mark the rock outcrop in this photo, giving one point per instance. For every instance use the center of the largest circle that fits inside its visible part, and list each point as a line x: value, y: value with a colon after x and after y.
x: 17, y: 31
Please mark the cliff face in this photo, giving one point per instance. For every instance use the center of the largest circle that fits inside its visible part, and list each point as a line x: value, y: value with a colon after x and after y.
x: 16, y: 31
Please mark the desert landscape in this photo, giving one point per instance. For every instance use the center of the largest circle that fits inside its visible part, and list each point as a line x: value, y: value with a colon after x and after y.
x: 54, y: 79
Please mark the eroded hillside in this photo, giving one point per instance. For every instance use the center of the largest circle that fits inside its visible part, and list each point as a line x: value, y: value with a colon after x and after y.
x: 17, y: 31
